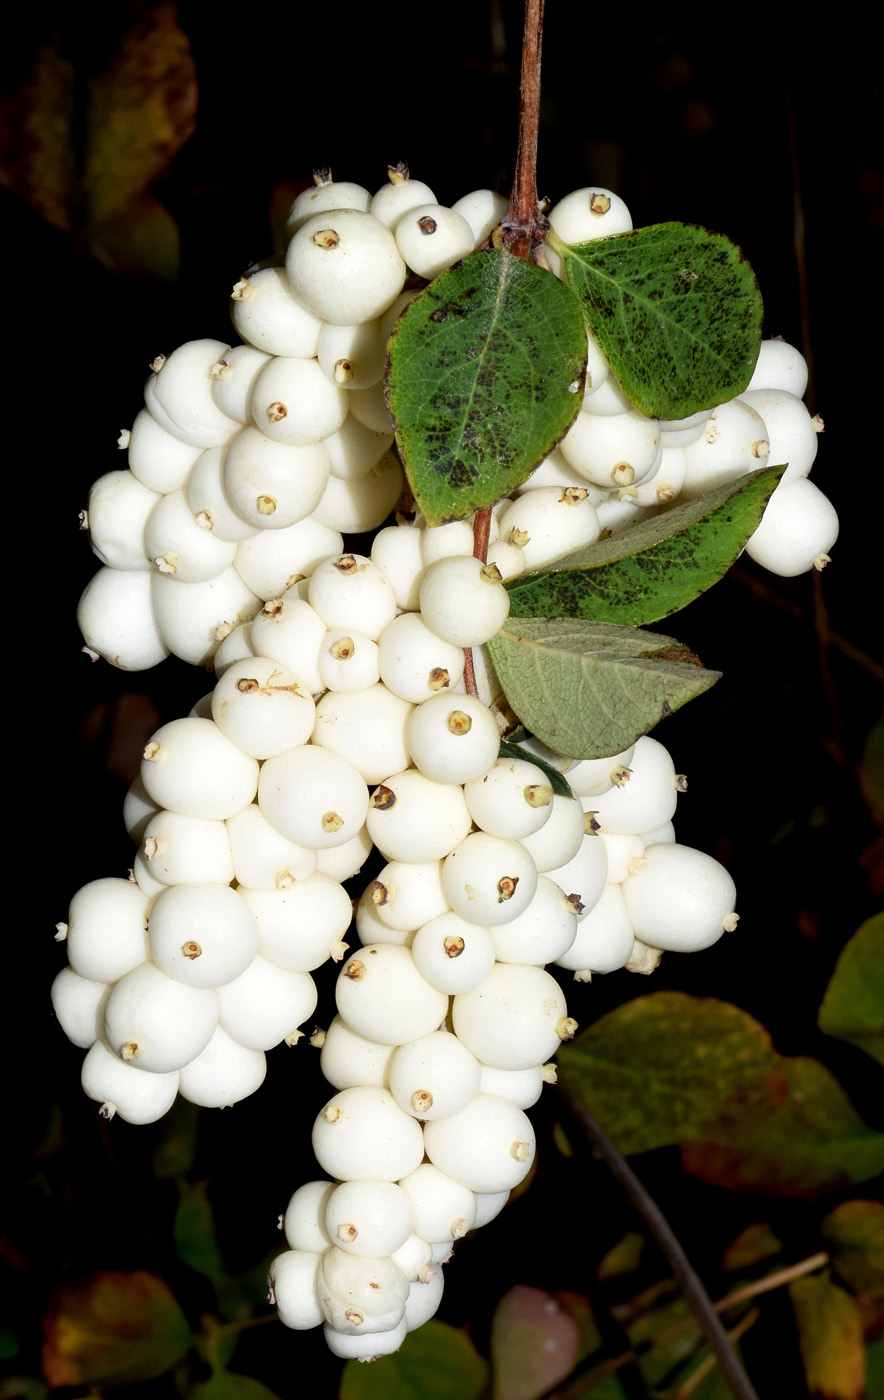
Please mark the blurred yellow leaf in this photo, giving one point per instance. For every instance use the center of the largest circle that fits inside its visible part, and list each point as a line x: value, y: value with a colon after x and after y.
x: 830, y: 1338
x: 112, y: 1327
x: 37, y: 162
x: 141, y: 110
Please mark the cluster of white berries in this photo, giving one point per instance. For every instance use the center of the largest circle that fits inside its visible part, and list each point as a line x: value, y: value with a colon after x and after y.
x: 446, y: 1015
x: 341, y: 723
x: 248, y: 463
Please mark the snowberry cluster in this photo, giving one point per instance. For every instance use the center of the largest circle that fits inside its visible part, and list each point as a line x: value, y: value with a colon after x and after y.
x: 341, y: 722
x: 249, y: 462
x: 446, y: 1015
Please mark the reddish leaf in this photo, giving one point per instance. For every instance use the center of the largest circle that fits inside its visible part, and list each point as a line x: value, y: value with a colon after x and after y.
x: 854, y: 1233
x: 753, y: 1244
x: 534, y: 1344
x: 112, y: 1327
x: 830, y: 1338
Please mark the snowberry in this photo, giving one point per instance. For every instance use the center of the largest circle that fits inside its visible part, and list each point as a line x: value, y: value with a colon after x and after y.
x: 344, y: 265
x: 680, y: 899
x: 488, y: 1146
x: 362, y: 1135
x: 463, y: 601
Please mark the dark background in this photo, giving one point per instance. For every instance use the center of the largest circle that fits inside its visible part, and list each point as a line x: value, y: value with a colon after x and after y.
x: 766, y: 134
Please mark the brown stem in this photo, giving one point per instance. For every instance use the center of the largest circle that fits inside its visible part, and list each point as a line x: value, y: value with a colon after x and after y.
x: 696, y: 1379
x: 663, y: 1233
x: 481, y: 532
x: 764, y: 1285
x: 524, y: 228
x: 469, y: 673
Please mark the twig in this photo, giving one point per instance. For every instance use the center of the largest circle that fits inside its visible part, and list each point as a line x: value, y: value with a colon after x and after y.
x: 764, y: 1285
x: 685, y: 1391
x: 524, y: 228
x: 662, y: 1232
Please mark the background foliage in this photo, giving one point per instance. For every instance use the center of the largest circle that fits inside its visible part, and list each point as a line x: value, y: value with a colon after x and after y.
x: 123, y: 233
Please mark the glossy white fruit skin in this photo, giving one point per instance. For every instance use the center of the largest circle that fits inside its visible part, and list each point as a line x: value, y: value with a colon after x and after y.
x: 489, y: 880
x: 444, y: 1209
x: 300, y: 927
x: 453, y: 739
x: 604, y: 937
x: 432, y: 237
x: 304, y: 1215
x: 797, y: 530
x: 288, y: 630
x: 183, y: 850
x: 223, y: 1074
x: 268, y: 315
x: 560, y: 838
x: 292, y: 401
x: 779, y: 366
x: 263, y: 859
x: 649, y: 797
x: 511, y: 799
x: 365, y: 727
x: 313, y: 796
x: 413, y: 661
x: 207, y: 500
x: 452, y: 953
x: 488, y: 1146
x: 423, y: 821
x: 202, y: 935
x: 368, y: 1346
x: 382, y: 996
x: 353, y: 281
x: 369, y: 1218
x: 118, y: 508
x: 362, y: 1135
x: 407, y: 894
x: 191, y: 768
x: 679, y: 899
x: 349, y: 1060
x: 268, y: 560
x: 266, y: 1004
x: 159, y: 460
x: 180, y: 547
x: 483, y: 211
x: 193, y: 618
x: 459, y: 604
x: 116, y: 617
x: 156, y: 1023
x: 424, y: 1297
x: 433, y: 1076
x: 555, y: 521
x: 292, y: 1283
x: 513, y: 1019
x: 329, y: 194
x: 274, y: 484
x: 542, y: 933
x: 79, y: 1005
x: 180, y: 394
x: 134, y: 1094
x: 263, y: 708
x: 107, y: 929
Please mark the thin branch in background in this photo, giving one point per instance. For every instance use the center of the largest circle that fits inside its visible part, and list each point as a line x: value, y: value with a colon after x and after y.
x: 685, y: 1391
x: 687, y: 1279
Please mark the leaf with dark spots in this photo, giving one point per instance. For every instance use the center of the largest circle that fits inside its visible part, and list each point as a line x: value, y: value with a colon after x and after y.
x: 652, y: 569
x: 676, y: 310
x: 484, y: 376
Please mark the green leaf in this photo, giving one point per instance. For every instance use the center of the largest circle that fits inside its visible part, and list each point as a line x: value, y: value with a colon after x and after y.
x: 753, y: 1244
x: 113, y: 1328
x: 196, y: 1240
x: 670, y: 1069
x: 587, y: 689
x: 534, y: 1344
x: 485, y: 375
x: 436, y: 1362
x: 854, y: 1236
x: 801, y: 1138
x: 557, y: 781
x: 830, y: 1337
x: 226, y: 1385
x: 653, y: 568
x: 853, y: 1005
x: 676, y: 310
